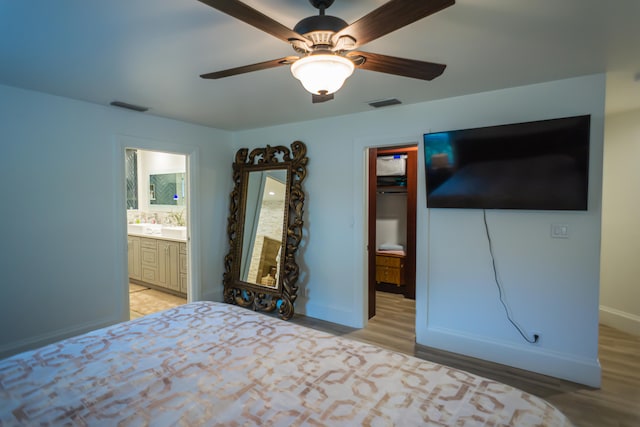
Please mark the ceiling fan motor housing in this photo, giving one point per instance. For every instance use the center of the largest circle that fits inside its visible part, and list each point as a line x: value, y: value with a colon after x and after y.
x: 320, y: 28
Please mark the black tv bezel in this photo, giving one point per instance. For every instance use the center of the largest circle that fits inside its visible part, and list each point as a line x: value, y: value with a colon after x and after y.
x: 577, y: 124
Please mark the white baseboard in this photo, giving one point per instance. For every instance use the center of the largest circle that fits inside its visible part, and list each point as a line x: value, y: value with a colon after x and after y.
x: 536, y: 359
x: 329, y: 313
x: 212, y: 296
x: 618, y: 319
x: 38, y: 341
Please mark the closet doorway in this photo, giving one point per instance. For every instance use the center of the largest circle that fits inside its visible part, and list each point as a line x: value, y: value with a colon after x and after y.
x: 392, y: 222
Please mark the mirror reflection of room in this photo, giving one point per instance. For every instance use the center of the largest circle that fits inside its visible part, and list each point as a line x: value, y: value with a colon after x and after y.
x: 156, y: 230
x: 263, y: 227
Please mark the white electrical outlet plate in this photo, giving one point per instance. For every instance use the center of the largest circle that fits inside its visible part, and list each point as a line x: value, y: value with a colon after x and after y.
x: 560, y: 231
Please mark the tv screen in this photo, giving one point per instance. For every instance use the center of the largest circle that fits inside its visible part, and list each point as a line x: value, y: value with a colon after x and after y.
x: 541, y: 165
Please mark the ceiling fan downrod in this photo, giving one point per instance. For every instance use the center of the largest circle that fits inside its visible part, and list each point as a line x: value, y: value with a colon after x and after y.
x: 321, y: 5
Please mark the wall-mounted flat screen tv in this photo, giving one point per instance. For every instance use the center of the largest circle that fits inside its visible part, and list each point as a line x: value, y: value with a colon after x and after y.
x: 541, y: 165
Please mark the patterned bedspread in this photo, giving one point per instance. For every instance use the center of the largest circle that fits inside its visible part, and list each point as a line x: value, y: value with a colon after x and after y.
x: 217, y: 364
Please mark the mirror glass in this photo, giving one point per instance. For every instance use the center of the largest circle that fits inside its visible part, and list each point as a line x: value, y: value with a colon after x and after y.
x: 262, y: 242
x: 265, y: 228
x: 167, y: 189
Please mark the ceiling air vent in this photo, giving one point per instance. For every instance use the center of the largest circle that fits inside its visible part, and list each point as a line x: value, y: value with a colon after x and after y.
x: 129, y: 106
x: 385, y: 103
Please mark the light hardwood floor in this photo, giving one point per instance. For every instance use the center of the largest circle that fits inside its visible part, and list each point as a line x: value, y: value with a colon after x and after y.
x: 615, y: 404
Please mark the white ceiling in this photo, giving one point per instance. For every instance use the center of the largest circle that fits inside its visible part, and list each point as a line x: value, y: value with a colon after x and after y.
x: 151, y: 53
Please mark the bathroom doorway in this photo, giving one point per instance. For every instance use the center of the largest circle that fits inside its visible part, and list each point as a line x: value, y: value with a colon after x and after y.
x: 158, y: 230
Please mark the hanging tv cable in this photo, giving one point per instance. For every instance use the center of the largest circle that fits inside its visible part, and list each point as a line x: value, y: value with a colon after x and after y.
x: 500, y: 290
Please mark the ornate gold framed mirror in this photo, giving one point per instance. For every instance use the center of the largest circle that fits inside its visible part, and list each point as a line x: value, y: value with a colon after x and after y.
x: 265, y: 228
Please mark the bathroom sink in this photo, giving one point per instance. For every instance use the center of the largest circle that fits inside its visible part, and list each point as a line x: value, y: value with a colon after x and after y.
x: 144, y: 228
x: 176, y: 232
x: 135, y: 228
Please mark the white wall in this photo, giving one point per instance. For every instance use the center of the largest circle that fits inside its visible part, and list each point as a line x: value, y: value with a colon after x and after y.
x: 63, y: 236
x: 551, y: 285
x: 619, y: 292
x: 63, y: 241
x: 391, y: 221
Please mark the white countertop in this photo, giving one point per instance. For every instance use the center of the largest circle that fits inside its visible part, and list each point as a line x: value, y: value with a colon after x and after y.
x: 157, y: 236
x: 158, y: 231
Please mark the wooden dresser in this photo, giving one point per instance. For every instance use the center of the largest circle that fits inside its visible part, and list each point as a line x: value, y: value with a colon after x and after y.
x: 390, y: 268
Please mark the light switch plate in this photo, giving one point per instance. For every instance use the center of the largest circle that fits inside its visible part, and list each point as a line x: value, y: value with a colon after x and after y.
x: 560, y: 231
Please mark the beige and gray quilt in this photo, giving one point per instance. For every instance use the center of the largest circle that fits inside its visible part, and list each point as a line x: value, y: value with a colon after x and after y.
x: 210, y: 364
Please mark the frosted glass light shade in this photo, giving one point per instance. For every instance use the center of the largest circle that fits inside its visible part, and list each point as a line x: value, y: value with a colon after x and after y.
x: 319, y: 73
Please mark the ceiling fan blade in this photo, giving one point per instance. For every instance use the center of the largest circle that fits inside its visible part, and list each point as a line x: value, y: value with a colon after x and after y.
x: 399, y: 66
x: 316, y: 99
x: 389, y: 17
x: 254, y: 18
x: 249, y: 68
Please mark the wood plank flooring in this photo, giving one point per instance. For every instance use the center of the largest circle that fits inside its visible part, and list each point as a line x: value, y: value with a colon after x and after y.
x: 615, y: 404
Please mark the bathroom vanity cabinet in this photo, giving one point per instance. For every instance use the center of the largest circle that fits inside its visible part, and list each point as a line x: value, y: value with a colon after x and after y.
x: 135, y: 266
x: 168, y: 265
x: 183, y: 268
x: 159, y: 263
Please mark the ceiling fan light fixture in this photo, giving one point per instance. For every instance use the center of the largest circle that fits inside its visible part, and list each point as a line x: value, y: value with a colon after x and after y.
x: 322, y: 74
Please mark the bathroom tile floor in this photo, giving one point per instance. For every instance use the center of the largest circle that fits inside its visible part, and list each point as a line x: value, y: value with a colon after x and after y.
x: 143, y: 301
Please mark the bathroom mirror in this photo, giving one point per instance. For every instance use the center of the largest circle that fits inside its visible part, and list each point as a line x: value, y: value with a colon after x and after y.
x: 265, y: 228
x: 167, y: 189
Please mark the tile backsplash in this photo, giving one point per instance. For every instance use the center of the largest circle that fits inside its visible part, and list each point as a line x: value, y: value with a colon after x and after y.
x: 158, y: 217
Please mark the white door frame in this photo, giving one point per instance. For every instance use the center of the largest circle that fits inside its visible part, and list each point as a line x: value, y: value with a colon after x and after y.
x: 123, y: 142
x: 361, y: 220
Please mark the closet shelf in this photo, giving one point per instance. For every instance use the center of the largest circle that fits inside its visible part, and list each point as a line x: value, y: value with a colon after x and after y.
x: 381, y: 189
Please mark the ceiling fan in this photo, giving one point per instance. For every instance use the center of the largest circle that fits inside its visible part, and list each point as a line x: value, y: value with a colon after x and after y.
x: 327, y: 44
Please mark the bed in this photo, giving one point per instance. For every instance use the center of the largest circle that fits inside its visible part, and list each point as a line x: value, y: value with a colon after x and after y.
x: 212, y: 364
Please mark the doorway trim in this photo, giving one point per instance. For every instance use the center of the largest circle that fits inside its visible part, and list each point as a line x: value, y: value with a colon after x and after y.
x: 361, y: 220
x: 121, y: 143
x: 411, y: 151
